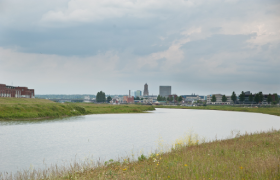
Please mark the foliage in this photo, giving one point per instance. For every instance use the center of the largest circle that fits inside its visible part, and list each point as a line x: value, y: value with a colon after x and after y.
x: 269, y: 98
x: 109, y: 98
x: 142, y: 157
x: 261, y: 96
x: 224, y: 98
x: 276, y: 98
x: 233, y: 97
x: 160, y: 98
x: 248, y: 156
x: 180, y: 98
x: 257, y: 98
x: 213, y: 99
x: 21, y: 108
x: 242, y: 97
x: 101, y: 97
x: 170, y: 98
x: 137, y: 98
x: 251, y: 97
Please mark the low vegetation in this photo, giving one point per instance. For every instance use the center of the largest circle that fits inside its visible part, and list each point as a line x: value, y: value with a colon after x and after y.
x: 249, y: 156
x: 265, y: 110
x: 254, y: 156
x: 21, y: 108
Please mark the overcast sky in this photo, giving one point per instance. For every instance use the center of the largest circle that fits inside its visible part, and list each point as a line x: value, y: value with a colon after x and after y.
x: 196, y: 46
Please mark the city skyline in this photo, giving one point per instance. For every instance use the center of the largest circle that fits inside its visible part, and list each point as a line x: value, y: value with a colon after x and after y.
x: 83, y: 47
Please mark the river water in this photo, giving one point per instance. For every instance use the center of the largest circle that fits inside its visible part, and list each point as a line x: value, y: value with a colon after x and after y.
x: 109, y: 136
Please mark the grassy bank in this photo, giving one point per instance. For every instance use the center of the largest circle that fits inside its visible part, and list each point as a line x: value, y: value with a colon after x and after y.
x: 254, y: 156
x: 21, y: 108
x: 264, y: 110
x: 249, y: 156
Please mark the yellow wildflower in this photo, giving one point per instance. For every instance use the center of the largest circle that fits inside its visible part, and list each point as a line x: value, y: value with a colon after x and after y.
x: 186, y: 165
x: 124, y: 169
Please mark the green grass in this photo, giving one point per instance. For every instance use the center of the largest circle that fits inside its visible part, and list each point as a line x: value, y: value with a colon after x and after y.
x: 264, y: 110
x: 249, y: 156
x: 20, y: 108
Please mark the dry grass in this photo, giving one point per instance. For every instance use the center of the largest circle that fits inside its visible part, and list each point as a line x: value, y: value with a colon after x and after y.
x: 249, y: 156
x: 254, y: 156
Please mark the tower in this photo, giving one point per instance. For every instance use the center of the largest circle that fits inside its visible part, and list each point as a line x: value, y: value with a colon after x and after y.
x: 146, y: 91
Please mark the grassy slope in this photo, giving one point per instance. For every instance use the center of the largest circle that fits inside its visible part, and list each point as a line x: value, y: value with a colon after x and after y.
x: 20, y: 108
x: 264, y: 110
x: 255, y: 156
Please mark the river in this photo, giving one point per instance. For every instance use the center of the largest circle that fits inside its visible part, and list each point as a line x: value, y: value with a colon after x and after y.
x: 109, y: 136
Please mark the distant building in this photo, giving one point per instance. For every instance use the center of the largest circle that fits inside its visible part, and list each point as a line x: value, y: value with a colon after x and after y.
x: 146, y: 91
x: 218, y: 99
x: 164, y: 91
x: 16, y: 91
x: 137, y: 93
x: 127, y: 99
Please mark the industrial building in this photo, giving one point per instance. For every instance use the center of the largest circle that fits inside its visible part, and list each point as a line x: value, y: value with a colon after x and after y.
x: 16, y: 91
x: 164, y: 91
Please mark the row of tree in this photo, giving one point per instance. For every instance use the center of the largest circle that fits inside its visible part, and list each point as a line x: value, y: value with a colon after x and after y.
x: 259, y: 97
x: 170, y: 98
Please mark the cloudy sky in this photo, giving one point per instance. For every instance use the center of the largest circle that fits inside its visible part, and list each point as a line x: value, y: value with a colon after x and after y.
x: 196, y: 46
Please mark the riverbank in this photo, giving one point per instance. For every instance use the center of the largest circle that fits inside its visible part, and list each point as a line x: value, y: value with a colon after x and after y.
x: 265, y: 110
x: 249, y: 156
x: 21, y: 108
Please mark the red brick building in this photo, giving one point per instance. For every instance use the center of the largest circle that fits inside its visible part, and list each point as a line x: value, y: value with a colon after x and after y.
x: 17, y: 92
x: 128, y: 99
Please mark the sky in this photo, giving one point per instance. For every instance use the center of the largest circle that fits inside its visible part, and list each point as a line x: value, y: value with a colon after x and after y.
x: 195, y: 46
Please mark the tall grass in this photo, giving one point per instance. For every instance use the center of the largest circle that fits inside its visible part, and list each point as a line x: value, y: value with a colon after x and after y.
x: 248, y: 156
x: 21, y: 108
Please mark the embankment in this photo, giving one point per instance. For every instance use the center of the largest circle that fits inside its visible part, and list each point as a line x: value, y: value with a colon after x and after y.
x: 21, y: 108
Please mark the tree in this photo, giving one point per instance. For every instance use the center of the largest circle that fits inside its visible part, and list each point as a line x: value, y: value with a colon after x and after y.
x: 233, y: 97
x: 160, y: 98
x: 257, y: 98
x: 100, y: 97
x: 251, y: 98
x: 242, y: 97
x: 224, y: 98
x: 213, y: 98
x: 170, y: 98
x: 276, y: 98
x: 109, y: 98
x: 180, y: 99
x: 269, y: 98
x: 261, y: 96
x: 137, y: 98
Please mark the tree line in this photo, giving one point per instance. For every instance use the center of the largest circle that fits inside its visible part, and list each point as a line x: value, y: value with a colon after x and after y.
x: 257, y: 98
x: 170, y: 98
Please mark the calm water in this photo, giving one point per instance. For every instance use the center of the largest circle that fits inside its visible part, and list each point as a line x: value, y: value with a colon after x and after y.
x: 25, y: 143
